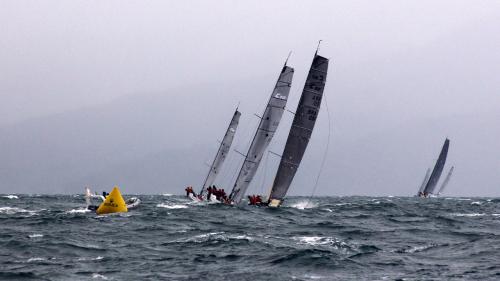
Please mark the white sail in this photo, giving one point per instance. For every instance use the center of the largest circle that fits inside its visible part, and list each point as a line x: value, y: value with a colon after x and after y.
x: 267, y: 127
x: 222, y: 152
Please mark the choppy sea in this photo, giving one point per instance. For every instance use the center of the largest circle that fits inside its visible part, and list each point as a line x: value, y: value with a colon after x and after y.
x: 329, y: 238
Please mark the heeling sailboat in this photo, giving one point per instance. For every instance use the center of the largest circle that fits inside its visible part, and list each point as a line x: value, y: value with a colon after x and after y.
x: 301, y: 130
x: 267, y: 127
x: 438, y: 169
x: 222, y: 152
x: 446, y: 180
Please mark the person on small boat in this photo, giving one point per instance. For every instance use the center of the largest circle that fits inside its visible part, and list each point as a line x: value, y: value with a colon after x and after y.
x: 189, y: 190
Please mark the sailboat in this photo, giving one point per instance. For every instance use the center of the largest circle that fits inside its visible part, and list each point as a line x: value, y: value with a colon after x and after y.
x: 433, y: 180
x: 301, y: 130
x: 222, y: 152
x: 267, y: 127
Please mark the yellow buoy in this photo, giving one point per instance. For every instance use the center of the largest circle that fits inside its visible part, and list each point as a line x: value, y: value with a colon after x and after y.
x: 113, y: 203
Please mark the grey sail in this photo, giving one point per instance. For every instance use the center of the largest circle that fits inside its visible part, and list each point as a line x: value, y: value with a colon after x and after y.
x: 222, y: 152
x: 267, y: 127
x: 438, y: 169
x: 426, y: 178
x: 301, y: 130
x: 446, y: 180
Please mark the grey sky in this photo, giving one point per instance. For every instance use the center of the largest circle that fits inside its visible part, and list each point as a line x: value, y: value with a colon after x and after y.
x: 393, y: 62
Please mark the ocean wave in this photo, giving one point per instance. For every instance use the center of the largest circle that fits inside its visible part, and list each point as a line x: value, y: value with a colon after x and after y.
x: 301, y: 205
x: 167, y: 194
x: 416, y: 249
x: 15, y: 210
x: 78, y: 211
x: 476, y: 203
x: 36, y: 259
x: 320, y: 241
x: 468, y: 215
x: 99, y: 276
x: 214, y: 236
x: 98, y: 258
x: 172, y: 206
x: 11, y: 196
x: 35, y: 235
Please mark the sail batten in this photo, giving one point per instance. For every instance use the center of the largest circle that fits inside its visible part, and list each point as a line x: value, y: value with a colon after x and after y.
x: 222, y: 152
x: 267, y: 127
x: 301, y: 129
x: 438, y: 169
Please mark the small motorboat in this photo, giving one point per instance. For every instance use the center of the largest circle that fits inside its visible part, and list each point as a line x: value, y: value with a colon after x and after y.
x: 132, y: 202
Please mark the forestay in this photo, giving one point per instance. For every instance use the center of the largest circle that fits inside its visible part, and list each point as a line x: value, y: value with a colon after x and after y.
x: 438, y: 169
x: 222, y: 152
x: 267, y: 127
x: 301, y: 130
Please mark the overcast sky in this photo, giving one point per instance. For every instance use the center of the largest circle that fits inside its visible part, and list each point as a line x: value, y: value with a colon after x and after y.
x: 391, y: 61
x: 61, y: 55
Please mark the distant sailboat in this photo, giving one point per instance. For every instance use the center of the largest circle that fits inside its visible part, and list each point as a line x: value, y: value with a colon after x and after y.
x: 224, y: 147
x: 437, y: 171
x: 267, y: 127
x: 301, y: 130
x: 446, y: 180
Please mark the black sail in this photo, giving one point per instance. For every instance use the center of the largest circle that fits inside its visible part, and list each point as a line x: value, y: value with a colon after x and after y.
x: 301, y: 130
x: 438, y: 169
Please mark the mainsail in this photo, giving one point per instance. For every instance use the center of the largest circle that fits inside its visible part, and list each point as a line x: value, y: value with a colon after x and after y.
x: 446, y: 180
x: 426, y: 178
x: 438, y: 169
x: 267, y: 127
x: 222, y: 152
x: 301, y: 130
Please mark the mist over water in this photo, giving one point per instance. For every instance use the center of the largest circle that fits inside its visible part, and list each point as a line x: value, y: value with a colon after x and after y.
x: 330, y: 238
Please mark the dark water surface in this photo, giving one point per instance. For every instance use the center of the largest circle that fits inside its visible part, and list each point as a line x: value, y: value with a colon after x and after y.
x: 170, y: 238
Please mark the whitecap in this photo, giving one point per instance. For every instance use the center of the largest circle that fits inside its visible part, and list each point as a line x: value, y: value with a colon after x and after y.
x: 98, y: 258
x: 14, y: 210
x: 36, y: 259
x: 167, y: 194
x: 241, y: 237
x: 99, y: 276
x: 318, y: 241
x: 11, y: 196
x: 328, y: 210
x: 343, y: 204
x: 304, y: 205
x: 175, y: 206
x: 476, y: 203
x: 78, y: 211
x: 468, y: 215
x: 418, y: 248
x: 35, y: 235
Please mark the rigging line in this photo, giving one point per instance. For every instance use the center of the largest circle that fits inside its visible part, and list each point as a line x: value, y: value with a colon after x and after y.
x: 324, y: 155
